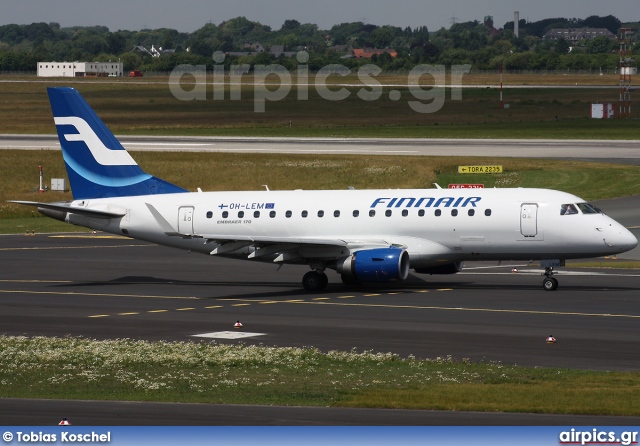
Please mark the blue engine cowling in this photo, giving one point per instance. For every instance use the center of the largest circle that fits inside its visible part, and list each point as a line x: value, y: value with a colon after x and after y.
x: 376, y: 265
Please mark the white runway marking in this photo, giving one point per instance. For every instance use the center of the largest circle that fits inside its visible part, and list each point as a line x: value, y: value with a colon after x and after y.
x: 229, y: 335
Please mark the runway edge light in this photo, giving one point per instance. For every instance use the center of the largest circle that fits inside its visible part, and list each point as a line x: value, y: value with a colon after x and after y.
x: 238, y: 324
x: 551, y: 339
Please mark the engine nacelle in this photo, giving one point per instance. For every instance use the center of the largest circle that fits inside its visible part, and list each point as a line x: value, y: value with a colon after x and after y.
x: 376, y: 265
x: 447, y: 268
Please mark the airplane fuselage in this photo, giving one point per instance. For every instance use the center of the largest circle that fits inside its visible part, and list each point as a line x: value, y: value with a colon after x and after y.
x: 435, y: 226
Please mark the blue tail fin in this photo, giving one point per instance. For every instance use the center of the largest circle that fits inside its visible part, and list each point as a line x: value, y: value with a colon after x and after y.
x: 97, y: 164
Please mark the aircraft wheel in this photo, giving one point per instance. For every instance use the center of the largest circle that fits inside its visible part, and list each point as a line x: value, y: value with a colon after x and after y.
x: 325, y: 280
x: 314, y: 281
x: 550, y: 284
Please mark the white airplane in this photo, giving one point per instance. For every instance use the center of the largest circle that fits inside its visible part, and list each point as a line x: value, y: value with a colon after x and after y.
x: 364, y: 235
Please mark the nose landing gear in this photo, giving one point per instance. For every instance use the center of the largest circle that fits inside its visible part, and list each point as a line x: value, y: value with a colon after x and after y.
x: 549, y: 283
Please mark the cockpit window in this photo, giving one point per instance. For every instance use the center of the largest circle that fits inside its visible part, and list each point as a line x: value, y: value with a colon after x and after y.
x: 586, y: 208
x: 568, y: 209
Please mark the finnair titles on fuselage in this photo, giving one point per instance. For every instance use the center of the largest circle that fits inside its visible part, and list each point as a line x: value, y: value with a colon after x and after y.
x: 364, y: 235
x: 426, y: 202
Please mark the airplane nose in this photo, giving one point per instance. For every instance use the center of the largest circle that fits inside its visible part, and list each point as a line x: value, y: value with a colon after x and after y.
x: 625, y: 239
x: 618, y: 237
x: 630, y: 241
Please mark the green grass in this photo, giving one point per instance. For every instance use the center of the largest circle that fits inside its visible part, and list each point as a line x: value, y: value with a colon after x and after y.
x: 38, y: 224
x: 608, y: 263
x: 235, y: 171
x: 124, y: 369
x: 137, y: 108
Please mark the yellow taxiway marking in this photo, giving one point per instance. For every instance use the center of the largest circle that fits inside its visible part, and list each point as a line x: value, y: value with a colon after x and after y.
x: 128, y: 314
x: 214, y: 306
x: 157, y: 311
x: 320, y: 298
x: 393, y: 293
x: 185, y: 309
x: 269, y: 302
x: 345, y: 297
x: 444, y: 289
x: 100, y: 315
x: 486, y: 310
x: 73, y: 293
x: 370, y: 295
x: 240, y: 305
x: 422, y: 291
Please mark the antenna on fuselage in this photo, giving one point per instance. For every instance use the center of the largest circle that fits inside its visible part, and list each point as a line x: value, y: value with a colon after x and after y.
x: 266, y: 187
x: 437, y: 186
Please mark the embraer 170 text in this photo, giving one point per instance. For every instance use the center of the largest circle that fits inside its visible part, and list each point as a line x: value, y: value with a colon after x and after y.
x: 364, y: 235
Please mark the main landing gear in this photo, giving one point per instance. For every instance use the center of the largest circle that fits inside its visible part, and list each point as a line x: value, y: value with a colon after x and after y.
x: 549, y: 283
x: 315, y: 281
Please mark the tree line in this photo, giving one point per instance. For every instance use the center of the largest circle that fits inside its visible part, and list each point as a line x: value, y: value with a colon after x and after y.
x: 474, y: 43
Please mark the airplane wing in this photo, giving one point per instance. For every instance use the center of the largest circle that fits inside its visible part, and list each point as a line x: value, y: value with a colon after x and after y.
x: 289, y: 248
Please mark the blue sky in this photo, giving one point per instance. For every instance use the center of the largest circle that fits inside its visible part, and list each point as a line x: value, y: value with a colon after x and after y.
x: 189, y: 15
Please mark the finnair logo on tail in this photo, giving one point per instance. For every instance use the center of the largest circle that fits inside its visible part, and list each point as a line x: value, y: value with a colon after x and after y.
x: 102, y: 154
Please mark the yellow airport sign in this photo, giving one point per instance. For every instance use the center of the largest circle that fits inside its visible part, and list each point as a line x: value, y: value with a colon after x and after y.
x: 479, y: 169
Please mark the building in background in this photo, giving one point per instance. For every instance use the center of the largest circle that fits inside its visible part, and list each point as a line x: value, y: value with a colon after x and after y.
x: 80, y: 69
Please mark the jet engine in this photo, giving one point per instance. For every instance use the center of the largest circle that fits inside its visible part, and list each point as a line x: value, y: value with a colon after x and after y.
x: 375, y: 265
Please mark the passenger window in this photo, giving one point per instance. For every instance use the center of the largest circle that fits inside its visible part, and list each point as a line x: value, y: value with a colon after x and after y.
x: 471, y: 212
x: 209, y: 214
x: 256, y: 214
x: 320, y: 214
x: 405, y: 212
x: 387, y: 212
x: 336, y: 213
x: 241, y: 214
x: 568, y: 209
x: 304, y: 214
x: 454, y: 212
x: 272, y: 214
x: 487, y: 212
x: 356, y: 213
x: 372, y: 213
x: 438, y: 212
x: 225, y: 214
x: 287, y: 214
x: 421, y: 213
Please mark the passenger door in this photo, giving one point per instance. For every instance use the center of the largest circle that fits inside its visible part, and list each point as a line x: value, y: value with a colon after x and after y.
x: 529, y: 219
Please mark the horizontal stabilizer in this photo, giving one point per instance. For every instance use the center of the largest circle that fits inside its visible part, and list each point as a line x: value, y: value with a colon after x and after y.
x: 63, y: 207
